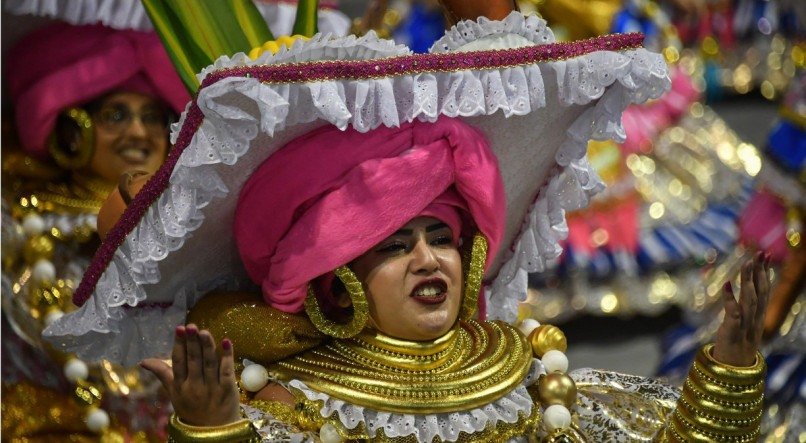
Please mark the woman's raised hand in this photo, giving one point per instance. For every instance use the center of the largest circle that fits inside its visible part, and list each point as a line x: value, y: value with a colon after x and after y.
x: 739, y: 335
x: 200, y: 383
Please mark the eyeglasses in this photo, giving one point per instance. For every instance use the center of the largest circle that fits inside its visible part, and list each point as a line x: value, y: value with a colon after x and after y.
x: 117, y: 118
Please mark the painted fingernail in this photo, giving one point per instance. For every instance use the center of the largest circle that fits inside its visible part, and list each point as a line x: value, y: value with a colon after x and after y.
x: 226, y: 344
x: 191, y: 330
x: 180, y: 331
x: 728, y: 288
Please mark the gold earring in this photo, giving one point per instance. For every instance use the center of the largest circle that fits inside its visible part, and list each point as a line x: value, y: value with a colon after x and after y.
x: 474, y: 261
x: 79, y: 152
x: 360, y: 307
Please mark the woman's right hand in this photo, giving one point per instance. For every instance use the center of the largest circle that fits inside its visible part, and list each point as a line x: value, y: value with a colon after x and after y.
x: 200, y: 383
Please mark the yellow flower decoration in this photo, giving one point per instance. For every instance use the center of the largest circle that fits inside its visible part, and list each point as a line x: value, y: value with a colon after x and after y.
x: 274, y: 46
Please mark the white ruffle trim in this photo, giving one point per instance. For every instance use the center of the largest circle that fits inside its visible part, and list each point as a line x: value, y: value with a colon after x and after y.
x: 262, y: 110
x: 319, y: 47
x: 446, y: 426
x: 539, y: 242
x: 532, y: 28
x: 130, y: 14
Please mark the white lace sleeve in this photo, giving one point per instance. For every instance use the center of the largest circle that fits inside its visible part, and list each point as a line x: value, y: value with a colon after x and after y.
x: 615, y: 407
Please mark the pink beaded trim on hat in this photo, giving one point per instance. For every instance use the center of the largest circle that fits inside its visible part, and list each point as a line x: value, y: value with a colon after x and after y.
x: 420, y: 63
x: 332, y: 70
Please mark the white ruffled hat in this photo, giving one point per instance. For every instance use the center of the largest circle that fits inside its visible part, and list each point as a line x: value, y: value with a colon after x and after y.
x: 538, y: 103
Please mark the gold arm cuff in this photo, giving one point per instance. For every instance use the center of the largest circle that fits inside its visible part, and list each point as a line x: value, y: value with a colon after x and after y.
x: 719, y: 402
x: 708, y: 422
x: 681, y: 431
x: 722, y: 391
x: 733, y: 375
x: 720, y: 408
x: 240, y: 431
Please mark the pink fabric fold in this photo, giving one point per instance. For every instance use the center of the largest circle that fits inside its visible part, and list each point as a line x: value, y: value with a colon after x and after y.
x: 63, y: 65
x: 329, y: 196
x: 763, y: 225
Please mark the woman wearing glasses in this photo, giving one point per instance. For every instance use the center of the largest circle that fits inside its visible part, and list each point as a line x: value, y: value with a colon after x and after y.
x: 91, y: 105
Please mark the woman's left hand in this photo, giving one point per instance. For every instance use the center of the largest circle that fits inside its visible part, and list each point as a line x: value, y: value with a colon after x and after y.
x: 739, y: 335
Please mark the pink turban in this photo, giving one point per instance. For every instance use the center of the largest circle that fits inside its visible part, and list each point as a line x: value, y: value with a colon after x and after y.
x: 329, y: 196
x: 63, y: 65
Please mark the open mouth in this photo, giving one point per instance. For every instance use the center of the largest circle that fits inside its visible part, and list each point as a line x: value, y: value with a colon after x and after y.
x: 431, y: 292
x: 134, y: 155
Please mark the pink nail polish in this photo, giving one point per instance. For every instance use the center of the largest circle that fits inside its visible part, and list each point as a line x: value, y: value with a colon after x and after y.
x: 180, y: 331
x: 728, y: 288
x: 226, y: 344
x: 191, y: 330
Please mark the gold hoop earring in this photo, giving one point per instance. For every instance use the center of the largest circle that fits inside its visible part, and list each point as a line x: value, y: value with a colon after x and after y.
x: 78, y: 151
x: 360, y: 307
x: 474, y: 261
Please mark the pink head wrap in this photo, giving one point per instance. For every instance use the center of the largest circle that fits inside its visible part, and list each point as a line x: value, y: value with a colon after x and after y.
x: 63, y: 65
x: 330, y: 195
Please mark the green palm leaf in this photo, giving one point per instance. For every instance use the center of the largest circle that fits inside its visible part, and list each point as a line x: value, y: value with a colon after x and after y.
x: 196, y: 32
x: 306, y: 21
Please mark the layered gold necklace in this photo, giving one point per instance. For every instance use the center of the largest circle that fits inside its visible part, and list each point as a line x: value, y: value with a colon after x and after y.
x: 82, y: 195
x: 471, y: 366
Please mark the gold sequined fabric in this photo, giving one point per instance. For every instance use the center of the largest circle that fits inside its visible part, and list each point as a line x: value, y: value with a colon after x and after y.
x: 35, y: 414
x: 258, y: 332
x: 473, y: 365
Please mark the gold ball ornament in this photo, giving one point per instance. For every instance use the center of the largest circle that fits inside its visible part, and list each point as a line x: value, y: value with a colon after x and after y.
x: 556, y: 389
x: 38, y: 247
x: 547, y: 338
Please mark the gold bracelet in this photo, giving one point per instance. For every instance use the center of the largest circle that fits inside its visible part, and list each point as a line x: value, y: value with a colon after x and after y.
x: 719, y: 402
x: 724, y: 391
x: 722, y: 409
x: 734, y: 375
x: 240, y: 431
x: 678, y: 432
x: 707, y: 420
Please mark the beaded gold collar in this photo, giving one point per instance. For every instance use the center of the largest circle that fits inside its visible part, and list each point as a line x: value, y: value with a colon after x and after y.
x: 80, y: 195
x: 472, y: 365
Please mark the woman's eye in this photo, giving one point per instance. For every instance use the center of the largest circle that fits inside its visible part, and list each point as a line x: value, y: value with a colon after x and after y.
x: 114, y: 115
x: 392, y: 247
x: 442, y: 241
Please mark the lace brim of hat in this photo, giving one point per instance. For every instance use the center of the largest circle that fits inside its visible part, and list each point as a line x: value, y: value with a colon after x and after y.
x: 537, y: 101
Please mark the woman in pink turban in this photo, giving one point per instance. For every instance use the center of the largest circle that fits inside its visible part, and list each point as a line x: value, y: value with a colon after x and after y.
x: 344, y: 214
x: 91, y: 104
